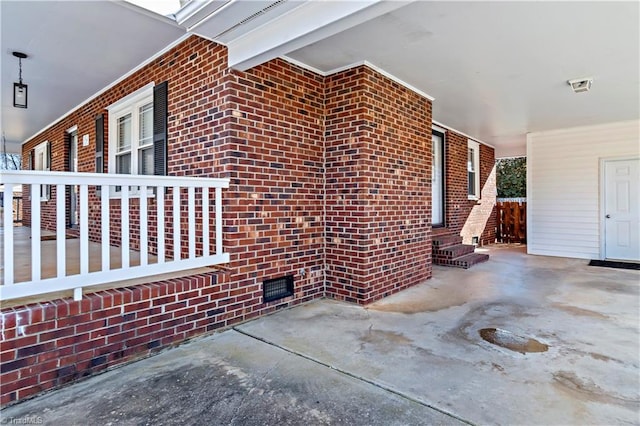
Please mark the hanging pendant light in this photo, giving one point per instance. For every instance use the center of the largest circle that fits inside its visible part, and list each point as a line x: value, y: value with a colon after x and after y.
x: 20, y: 89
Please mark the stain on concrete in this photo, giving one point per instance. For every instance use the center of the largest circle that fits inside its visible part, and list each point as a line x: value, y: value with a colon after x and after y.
x: 602, y: 357
x: 617, y: 287
x: 497, y: 367
x: 495, y: 312
x: 513, y: 342
x: 227, y: 380
x: 432, y: 299
x: 587, y: 390
x: 574, y: 310
x: 384, y: 341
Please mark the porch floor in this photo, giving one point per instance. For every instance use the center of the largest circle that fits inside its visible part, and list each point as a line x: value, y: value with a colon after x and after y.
x: 22, y: 263
x: 416, y: 357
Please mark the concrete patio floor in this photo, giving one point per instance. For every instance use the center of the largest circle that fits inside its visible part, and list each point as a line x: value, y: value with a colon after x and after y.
x: 413, y: 358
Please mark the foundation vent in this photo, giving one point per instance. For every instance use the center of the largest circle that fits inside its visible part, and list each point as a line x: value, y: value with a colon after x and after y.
x: 277, y: 288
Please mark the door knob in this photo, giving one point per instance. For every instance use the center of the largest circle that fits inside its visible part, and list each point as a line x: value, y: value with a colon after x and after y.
x: 608, y: 216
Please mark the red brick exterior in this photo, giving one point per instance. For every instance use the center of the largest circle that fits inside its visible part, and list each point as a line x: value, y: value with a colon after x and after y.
x: 378, y: 192
x: 329, y: 182
x: 263, y: 130
x: 459, y: 219
x: 49, y: 344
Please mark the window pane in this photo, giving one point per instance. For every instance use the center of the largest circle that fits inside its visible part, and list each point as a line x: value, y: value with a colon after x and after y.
x: 146, y: 125
x: 471, y: 166
x: 123, y: 164
x: 472, y: 183
x: 124, y: 133
x: 145, y: 160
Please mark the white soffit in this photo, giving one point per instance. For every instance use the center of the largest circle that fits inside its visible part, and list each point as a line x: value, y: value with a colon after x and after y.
x: 499, y: 69
x: 75, y: 49
x: 256, y: 32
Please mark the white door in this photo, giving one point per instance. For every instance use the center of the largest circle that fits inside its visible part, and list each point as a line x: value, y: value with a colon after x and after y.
x: 621, y: 209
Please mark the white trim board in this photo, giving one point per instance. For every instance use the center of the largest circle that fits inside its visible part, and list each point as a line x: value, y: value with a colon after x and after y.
x: 461, y: 133
x: 357, y: 64
x: 438, y: 128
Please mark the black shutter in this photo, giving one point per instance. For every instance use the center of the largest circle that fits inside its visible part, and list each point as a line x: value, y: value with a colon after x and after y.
x: 67, y: 152
x: 67, y: 168
x: 31, y: 160
x: 99, y: 143
x: 160, y: 114
x: 47, y: 188
x: 48, y: 155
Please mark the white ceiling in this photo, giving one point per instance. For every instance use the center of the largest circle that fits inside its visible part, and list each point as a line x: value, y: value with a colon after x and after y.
x: 497, y: 69
x: 75, y: 49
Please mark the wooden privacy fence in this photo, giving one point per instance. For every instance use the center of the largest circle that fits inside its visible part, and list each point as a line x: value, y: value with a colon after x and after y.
x: 511, y: 221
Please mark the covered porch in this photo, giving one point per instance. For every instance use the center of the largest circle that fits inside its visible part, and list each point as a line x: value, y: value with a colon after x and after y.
x: 125, y: 237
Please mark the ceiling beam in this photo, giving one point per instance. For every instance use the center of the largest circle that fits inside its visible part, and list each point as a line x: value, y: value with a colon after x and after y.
x: 310, y: 22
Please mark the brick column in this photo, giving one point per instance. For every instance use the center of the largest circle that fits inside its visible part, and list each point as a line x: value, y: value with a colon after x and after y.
x: 378, y: 186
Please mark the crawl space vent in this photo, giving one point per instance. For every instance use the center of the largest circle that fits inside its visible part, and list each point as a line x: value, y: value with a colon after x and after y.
x: 277, y: 288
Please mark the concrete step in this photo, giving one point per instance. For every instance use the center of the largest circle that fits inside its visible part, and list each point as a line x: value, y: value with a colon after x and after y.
x: 453, y: 252
x: 443, y: 241
x: 467, y: 261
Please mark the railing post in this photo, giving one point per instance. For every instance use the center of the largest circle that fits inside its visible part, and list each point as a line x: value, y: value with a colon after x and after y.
x: 35, y: 232
x: 105, y: 241
x: 176, y: 224
x: 191, y: 215
x: 160, y: 191
x: 84, y: 229
x: 218, y: 220
x: 205, y: 222
x: 144, y: 231
x: 8, y: 234
x: 124, y: 225
x: 61, y: 243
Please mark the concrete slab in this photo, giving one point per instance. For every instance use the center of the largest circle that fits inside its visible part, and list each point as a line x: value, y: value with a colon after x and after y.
x: 425, y: 343
x: 226, y: 379
x: 404, y: 360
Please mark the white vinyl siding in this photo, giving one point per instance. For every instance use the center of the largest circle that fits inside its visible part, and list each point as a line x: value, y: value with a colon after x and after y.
x: 563, y: 186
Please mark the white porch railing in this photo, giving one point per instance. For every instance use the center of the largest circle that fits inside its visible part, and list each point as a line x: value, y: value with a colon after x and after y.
x: 169, y: 253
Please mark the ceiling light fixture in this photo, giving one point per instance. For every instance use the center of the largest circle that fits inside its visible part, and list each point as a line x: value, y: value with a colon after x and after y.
x: 580, y: 85
x: 19, y: 89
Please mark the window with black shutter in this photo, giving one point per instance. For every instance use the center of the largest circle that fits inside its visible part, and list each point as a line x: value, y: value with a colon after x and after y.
x: 138, y: 132
x: 160, y: 129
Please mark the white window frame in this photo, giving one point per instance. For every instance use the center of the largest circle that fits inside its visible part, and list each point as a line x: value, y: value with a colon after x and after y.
x: 473, y: 167
x: 130, y: 104
x: 41, y: 148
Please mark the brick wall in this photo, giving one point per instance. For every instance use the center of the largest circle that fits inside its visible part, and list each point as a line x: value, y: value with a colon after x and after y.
x: 49, y: 344
x: 274, y: 153
x: 466, y: 217
x: 329, y: 182
x: 263, y: 129
x: 378, y: 188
